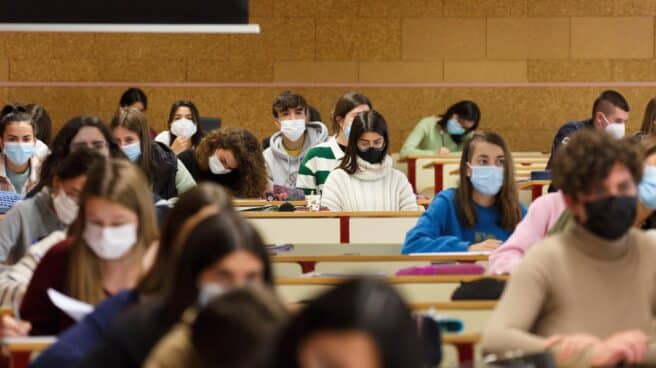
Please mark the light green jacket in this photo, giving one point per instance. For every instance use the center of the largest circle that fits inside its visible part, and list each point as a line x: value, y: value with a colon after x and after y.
x: 427, y: 138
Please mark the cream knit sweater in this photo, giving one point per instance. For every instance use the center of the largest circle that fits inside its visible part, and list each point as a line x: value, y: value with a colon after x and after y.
x: 375, y: 187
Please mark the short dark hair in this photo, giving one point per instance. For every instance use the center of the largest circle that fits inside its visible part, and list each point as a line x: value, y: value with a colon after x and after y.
x: 211, y: 240
x: 133, y: 95
x: 367, y: 305
x: 608, y: 99
x: 345, y: 104
x: 581, y: 165
x: 236, y: 329
x: 43, y: 123
x: 466, y: 110
x: 15, y: 113
x: 195, y: 117
x: 78, y: 163
x: 288, y: 100
x: 366, y: 121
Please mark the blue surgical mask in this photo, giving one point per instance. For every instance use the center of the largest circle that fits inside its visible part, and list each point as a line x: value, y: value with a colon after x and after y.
x: 347, y: 131
x: 487, y: 180
x: 453, y: 127
x: 647, y: 188
x: 133, y: 151
x: 18, y: 153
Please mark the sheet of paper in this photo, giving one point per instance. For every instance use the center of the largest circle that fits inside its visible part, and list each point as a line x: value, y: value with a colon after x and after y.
x: 72, y: 307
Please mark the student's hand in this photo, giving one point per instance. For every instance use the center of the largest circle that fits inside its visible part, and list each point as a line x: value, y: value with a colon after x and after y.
x: 630, y: 347
x: 570, y: 346
x: 11, y: 327
x: 487, y: 245
x: 443, y: 151
x: 180, y: 144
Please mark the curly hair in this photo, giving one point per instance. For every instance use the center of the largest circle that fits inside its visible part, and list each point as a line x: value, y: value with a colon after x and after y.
x: 248, y: 153
x: 581, y: 166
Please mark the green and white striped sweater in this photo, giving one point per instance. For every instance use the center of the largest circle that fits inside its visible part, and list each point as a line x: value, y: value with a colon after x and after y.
x: 318, y: 163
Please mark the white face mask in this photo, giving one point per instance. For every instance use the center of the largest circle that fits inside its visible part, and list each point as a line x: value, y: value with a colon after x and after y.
x: 292, y: 129
x: 183, y: 128
x: 112, y: 242
x: 216, y: 167
x: 65, y: 207
x: 616, y: 130
x: 207, y: 292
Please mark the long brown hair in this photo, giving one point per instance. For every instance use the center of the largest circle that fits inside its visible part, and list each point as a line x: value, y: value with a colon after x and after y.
x: 366, y: 121
x: 345, y: 104
x: 248, y: 153
x: 507, y: 199
x: 120, y: 182
x: 648, y: 120
x: 135, y: 121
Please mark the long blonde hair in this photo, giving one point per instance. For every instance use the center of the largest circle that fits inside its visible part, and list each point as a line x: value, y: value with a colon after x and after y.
x: 121, y: 182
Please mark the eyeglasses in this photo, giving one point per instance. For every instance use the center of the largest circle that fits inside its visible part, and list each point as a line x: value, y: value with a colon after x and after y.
x: 365, y: 145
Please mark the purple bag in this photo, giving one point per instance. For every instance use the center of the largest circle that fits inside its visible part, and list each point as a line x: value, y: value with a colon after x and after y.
x: 443, y: 269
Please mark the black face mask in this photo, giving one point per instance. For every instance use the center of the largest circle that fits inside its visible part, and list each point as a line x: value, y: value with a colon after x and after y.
x: 372, y: 155
x: 611, y: 217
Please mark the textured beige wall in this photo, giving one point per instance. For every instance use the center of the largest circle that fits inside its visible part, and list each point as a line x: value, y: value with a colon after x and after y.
x: 522, y: 42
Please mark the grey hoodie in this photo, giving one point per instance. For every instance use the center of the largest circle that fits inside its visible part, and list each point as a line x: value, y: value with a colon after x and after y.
x: 282, y: 168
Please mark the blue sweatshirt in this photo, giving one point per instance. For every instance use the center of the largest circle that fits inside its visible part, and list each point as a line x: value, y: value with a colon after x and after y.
x: 438, y: 229
x: 76, y: 342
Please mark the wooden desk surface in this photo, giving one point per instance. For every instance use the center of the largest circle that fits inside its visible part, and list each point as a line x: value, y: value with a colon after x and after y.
x: 467, y: 338
x: 330, y: 214
x: 455, y: 305
x: 516, y: 155
x: 519, y: 169
x: 530, y: 183
x: 27, y: 344
x: 397, y: 280
x: 264, y: 202
x: 377, y: 258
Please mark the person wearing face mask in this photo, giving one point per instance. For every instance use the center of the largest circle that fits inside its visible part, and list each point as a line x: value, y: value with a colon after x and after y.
x: 481, y: 212
x: 19, y: 166
x: 168, y: 176
x: 365, y: 179
x: 323, y: 158
x: 221, y: 252
x: 104, y: 251
x: 610, y: 113
x: 52, y: 209
x: 290, y: 145
x: 184, y: 133
x: 443, y: 133
x: 586, y: 293
x: 231, y: 157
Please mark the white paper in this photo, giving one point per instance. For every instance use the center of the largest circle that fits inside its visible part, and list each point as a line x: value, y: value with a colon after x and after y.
x: 72, y: 307
x: 475, y: 253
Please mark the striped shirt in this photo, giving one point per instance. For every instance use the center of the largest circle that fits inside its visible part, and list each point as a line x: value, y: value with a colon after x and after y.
x: 318, y: 163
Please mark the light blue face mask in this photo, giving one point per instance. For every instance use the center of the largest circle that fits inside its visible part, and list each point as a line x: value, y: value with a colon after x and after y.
x: 347, y: 131
x: 133, y: 151
x: 18, y: 153
x: 453, y: 127
x: 647, y: 188
x: 487, y: 180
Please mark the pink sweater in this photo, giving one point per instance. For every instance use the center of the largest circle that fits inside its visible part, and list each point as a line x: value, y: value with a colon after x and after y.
x: 541, y: 216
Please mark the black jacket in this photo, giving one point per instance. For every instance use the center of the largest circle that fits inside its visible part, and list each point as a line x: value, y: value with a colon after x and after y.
x: 167, y: 167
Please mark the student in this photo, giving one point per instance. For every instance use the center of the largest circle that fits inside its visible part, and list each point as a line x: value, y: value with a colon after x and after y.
x: 365, y: 179
x: 222, y: 252
x: 649, y: 118
x: 105, y: 249
x: 548, y: 215
x: 296, y: 136
x: 19, y: 166
x: 135, y: 98
x: 76, y: 342
x: 231, y: 157
x: 610, y: 113
x: 585, y: 294
x: 81, y: 131
x: 359, y: 323
x: 481, y: 212
x: 443, y: 133
x: 232, y: 330
x: 184, y: 132
x: 323, y: 158
x: 167, y: 175
x: 43, y: 130
x: 53, y: 208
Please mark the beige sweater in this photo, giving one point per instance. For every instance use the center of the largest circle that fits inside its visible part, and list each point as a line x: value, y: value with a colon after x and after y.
x: 576, y: 282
